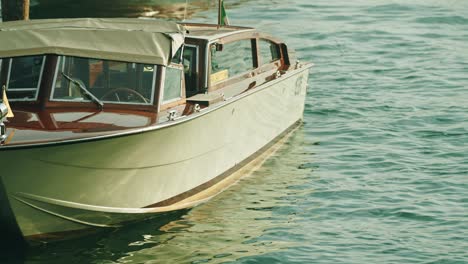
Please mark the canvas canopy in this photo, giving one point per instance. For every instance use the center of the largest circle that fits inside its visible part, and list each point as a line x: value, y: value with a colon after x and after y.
x: 121, y: 39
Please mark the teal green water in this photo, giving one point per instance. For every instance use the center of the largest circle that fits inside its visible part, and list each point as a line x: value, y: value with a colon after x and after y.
x: 377, y: 173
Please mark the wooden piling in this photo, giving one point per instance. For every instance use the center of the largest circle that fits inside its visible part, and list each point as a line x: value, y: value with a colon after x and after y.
x: 25, y: 9
x: 15, y: 10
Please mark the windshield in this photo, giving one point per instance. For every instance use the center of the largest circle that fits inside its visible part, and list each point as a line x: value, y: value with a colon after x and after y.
x: 23, y: 77
x: 107, y: 81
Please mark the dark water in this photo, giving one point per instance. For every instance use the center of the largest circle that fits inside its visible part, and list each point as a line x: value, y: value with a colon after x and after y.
x: 377, y: 174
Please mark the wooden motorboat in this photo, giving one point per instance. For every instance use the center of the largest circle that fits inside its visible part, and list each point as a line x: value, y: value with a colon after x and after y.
x: 118, y: 120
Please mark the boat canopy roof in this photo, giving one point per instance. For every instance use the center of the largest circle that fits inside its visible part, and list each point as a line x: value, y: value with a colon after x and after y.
x: 122, y: 39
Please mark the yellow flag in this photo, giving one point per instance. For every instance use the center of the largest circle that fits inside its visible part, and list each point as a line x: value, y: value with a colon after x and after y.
x: 5, y: 101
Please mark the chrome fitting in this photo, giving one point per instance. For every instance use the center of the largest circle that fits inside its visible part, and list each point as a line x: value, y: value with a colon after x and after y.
x: 3, y: 135
x: 172, y: 115
x: 278, y: 74
x: 3, y: 111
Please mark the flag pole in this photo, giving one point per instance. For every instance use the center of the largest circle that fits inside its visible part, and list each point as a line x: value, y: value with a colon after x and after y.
x: 219, y: 13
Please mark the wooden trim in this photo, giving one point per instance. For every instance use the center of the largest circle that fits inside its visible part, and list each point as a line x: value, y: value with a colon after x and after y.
x: 48, y: 81
x: 172, y: 104
x: 91, y: 106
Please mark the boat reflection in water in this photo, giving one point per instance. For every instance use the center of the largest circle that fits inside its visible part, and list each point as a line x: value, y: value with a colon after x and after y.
x: 168, y: 9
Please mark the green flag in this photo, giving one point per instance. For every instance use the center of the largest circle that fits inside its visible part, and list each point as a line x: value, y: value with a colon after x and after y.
x: 224, y: 18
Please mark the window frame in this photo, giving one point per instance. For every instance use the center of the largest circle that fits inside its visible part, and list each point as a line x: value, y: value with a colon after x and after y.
x: 10, y: 63
x: 235, y: 78
x: 278, y: 49
x: 252, y: 53
x: 163, y: 84
x: 54, y: 82
x: 196, y: 55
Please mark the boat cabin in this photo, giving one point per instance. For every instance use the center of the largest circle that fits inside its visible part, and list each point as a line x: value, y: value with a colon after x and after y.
x: 102, y: 75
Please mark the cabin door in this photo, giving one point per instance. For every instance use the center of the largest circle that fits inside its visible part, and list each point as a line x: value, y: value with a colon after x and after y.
x: 191, y: 69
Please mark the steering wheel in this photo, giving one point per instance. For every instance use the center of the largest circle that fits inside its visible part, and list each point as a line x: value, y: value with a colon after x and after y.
x: 123, y: 91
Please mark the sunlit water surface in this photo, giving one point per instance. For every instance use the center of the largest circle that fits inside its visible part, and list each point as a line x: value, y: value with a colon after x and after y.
x: 378, y: 173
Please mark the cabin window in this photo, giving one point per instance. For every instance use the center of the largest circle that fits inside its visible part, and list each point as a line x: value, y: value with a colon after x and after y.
x: 24, y: 77
x: 235, y: 58
x: 109, y: 81
x: 269, y: 51
x: 172, y: 84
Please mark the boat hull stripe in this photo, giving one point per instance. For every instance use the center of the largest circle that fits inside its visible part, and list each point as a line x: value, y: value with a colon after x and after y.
x: 226, y: 174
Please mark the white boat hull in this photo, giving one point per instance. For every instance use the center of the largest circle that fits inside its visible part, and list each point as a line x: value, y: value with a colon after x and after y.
x: 108, y: 181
